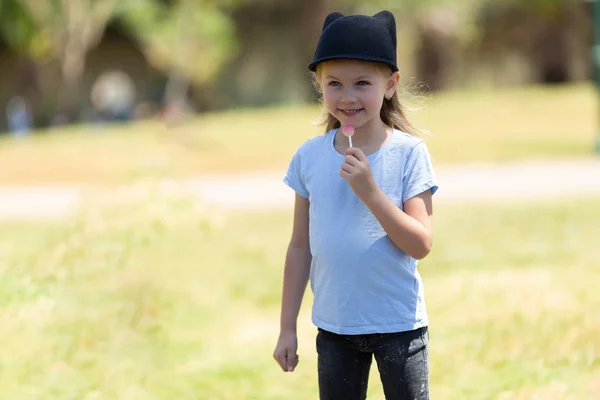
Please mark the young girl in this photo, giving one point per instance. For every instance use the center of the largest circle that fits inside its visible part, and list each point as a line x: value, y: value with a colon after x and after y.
x: 362, y: 219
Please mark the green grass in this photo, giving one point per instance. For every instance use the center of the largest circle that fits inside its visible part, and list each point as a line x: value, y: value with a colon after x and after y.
x: 483, y: 125
x: 152, y: 297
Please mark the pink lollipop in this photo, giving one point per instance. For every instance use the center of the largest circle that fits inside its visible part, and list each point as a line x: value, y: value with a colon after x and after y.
x: 348, y: 131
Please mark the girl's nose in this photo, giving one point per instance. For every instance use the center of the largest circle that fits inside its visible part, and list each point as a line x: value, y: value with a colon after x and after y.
x: 348, y: 96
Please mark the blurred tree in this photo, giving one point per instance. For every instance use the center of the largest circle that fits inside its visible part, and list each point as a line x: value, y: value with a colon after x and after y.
x: 28, y: 50
x: 189, y: 38
x: 68, y: 29
x: 551, y: 38
x: 276, y: 40
x: 438, y: 49
x: 18, y: 28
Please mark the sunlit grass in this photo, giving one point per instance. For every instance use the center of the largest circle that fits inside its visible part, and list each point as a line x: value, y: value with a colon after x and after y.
x: 155, y: 297
x: 482, y: 125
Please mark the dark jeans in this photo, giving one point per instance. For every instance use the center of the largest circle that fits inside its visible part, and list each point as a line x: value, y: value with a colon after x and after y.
x: 345, y: 361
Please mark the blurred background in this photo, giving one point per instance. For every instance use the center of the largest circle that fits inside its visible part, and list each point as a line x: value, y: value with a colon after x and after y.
x: 88, y: 61
x: 144, y: 223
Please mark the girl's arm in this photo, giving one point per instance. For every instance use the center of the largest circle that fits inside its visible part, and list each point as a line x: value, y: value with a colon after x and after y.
x: 297, y: 266
x: 411, y: 229
x: 295, y: 279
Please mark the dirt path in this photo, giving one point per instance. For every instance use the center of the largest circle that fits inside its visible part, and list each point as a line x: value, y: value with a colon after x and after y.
x: 506, y: 182
x: 519, y: 181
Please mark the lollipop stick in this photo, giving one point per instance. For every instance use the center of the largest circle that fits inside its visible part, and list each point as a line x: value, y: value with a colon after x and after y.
x: 350, y: 140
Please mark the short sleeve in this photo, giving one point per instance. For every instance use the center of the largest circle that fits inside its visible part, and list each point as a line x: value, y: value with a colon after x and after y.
x: 294, y: 177
x: 418, y: 173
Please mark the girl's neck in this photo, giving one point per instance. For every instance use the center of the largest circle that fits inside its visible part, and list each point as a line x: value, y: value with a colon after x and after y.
x: 371, y: 135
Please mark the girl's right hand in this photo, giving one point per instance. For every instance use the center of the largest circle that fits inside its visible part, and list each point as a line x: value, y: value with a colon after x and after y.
x: 286, y: 351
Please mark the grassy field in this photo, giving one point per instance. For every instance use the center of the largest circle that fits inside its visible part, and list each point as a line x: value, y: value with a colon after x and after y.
x: 465, y: 126
x: 158, y: 298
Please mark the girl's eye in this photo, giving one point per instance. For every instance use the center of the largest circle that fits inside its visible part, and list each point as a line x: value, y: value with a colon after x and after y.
x: 334, y: 83
x: 362, y: 83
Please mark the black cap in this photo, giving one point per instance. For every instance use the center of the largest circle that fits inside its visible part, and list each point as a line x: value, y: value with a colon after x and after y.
x: 357, y: 37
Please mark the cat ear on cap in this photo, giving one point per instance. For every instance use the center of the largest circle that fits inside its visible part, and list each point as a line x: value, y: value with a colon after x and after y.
x: 330, y: 18
x: 389, y: 20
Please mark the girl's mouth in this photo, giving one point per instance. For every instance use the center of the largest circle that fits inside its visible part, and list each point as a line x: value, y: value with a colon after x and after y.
x: 351, y: 113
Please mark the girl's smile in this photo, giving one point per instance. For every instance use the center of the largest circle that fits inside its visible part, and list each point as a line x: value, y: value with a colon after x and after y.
x: 351, y: 112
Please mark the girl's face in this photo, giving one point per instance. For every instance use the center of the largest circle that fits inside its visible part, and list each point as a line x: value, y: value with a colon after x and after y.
x: 353, y: 90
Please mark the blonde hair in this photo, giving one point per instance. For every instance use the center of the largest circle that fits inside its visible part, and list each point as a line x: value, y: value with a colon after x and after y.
x: 392, y: 113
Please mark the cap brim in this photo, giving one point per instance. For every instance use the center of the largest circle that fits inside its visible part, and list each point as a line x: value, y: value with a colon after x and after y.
x: 313, y: 65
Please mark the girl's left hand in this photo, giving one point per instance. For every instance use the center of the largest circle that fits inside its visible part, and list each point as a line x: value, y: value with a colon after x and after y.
x: 356, y: 170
